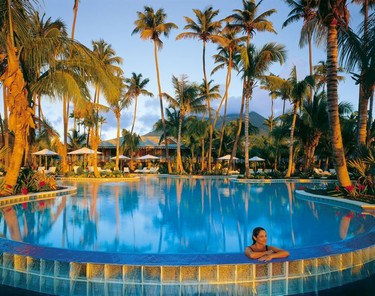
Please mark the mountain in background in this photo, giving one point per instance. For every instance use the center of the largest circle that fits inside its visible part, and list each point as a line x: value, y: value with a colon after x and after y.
x: 255, y: 119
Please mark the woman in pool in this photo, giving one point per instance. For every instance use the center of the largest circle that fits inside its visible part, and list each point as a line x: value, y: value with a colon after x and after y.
x: 259, y: 249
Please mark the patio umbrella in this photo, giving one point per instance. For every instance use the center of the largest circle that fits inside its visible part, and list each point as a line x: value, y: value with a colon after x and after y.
x: 121, y: 157
x: 82, y: 151
x: 147, y: 157
x: 46, y: 152
x: 227, y: 157
x: 256, y: 159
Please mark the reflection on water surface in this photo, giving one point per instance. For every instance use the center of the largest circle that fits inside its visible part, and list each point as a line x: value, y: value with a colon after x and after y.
x: 178, y: 216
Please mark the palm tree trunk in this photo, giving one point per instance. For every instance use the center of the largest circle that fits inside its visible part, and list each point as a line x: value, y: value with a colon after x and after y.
x: 362, y: 116
x: 6, y: 128
x: 291, y: 144
x: 179, y: 166
x: 338, y: 153
x: 118, y: 112
x: 247, y: 169
x: 75, y: 12
x: 225, y: 98
x: 310, y: 62
x: 135, y: 114
x: 161, y: 107
x: 20, y: 116
x: 211, y: 130
x: 234, y: 151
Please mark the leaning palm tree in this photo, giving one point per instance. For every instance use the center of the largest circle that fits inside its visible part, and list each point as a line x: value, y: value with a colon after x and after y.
x: 205, y: 29
x: 334, y: 14
x: 254, y: 65
x: 136, y: 87
x: 151, y: 25
x: 186, y: 101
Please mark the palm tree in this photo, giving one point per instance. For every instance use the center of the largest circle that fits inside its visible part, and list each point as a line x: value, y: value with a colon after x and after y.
x: 227, y: 56
x: 110, y: 61
x: 358, y: 52
x: 305, y: 10
x: 151, y: 25
x: 205, y: 29
x: 186, y: 101
x: 117, y: 105
x: 249, y: 22
x: 130, y: 142
x: 298, y: 93
x: 320, y: 75
x: 14, y: 19
x: 254, y: 64
x: 334, y: 14
x: 135, y: 88
x: 75, y: 12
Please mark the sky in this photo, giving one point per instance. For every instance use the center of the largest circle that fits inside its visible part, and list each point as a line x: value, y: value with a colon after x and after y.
x: 113, y: 21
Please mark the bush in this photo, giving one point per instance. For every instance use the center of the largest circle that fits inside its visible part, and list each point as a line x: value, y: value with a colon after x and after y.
x: 30, y: 181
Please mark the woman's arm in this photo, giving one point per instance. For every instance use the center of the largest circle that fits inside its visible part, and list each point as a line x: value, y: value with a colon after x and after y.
x: 276, y: 253
x: 255, y: 255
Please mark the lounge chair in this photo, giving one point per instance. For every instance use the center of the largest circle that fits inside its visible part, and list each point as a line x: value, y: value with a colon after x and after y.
x: 75, y: 169
x: 51, y: 171
x: 154, y: 170
x: 126, y: 170
x: 321, y: 173
x: 144, y: 170
x: 41, y: 169
x: 252, y: 172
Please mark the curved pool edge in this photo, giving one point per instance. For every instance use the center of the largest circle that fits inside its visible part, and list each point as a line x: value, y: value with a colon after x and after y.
x: 55, y: 271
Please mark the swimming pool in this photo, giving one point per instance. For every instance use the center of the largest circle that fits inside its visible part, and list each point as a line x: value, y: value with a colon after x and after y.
x: 181, y: 216
x: 190, y: 222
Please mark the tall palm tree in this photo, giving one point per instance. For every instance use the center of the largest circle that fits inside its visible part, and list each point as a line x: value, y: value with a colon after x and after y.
x: 186, y: 101
x: 107, y: 55
x: 254, y: 65
x: 75, y: 12
x: 334, y: 14
x: 298, y: 94
x: 227, y: 56
x: 320, y: 75
x: 151, y: 25
x: 248, y: 21
x: 204, y: 29
x: 305, y: 10
x: 117, y: 105
x: 136, y: 87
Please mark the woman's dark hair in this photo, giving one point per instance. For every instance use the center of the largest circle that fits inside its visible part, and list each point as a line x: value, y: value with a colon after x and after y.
x: 256, y: 231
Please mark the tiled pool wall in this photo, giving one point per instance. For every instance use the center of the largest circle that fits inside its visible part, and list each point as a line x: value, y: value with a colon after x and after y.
x: 66, y: 272
x: 275, y: 278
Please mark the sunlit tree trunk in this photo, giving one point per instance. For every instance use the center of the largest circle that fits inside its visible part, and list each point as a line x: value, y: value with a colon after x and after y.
x: 179, y: 165
x: 291, y: 144
x: 161, y: 107
x: 333, y: 113
x: 20, y: 115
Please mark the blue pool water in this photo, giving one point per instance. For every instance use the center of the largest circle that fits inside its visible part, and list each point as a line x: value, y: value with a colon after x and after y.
x: 171, y: 215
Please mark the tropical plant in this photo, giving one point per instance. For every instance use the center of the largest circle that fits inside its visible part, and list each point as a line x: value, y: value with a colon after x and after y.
x: 151, y: 25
